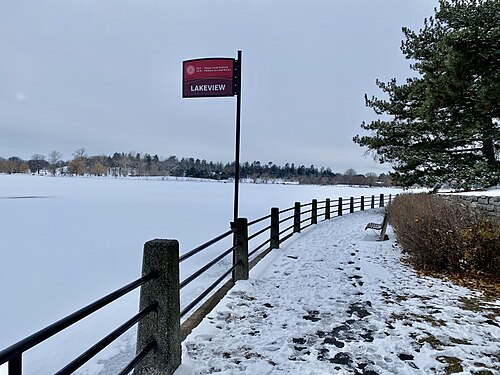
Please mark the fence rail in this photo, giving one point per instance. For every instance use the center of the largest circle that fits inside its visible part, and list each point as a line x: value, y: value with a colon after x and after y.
x: 161, y: 353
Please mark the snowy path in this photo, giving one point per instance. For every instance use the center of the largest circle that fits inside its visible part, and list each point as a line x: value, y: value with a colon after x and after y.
x: 333, y: 300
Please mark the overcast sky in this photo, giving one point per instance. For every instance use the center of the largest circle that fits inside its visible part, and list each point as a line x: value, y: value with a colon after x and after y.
x: 106, y: 75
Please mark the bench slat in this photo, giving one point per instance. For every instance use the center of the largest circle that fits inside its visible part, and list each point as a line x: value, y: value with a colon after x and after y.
x: 375, y: 226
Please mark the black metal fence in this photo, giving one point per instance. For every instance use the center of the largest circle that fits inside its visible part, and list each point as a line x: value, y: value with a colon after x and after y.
x: 159, y: 332
x: 13, y: 354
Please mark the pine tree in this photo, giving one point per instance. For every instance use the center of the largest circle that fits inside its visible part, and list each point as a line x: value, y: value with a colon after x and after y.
x: 444, y: 124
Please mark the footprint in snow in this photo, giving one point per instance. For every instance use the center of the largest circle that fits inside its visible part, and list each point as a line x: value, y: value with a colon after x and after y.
x: 312, y: 316
x: 359, y: 308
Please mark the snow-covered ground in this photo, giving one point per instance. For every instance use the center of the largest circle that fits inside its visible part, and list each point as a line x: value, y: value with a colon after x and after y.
x: 64, y: 242
x: 335, y: 301
x: 330, y: 300
x: 493, y: 192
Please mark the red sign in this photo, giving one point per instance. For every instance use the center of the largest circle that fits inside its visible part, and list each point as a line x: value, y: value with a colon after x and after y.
x: 208, y: 78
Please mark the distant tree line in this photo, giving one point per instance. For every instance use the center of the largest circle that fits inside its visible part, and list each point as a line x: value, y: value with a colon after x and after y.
x: 136, y: 164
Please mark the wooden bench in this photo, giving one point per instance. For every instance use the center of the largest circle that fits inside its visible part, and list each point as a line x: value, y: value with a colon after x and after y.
x: 382, y: 227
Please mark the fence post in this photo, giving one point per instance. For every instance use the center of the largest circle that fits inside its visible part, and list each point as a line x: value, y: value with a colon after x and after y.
x: 373, y: 202
x: 240, y: 254
x: 161, y: 256
x: 362, y: 203
x: 390, y: 198
x: 351, y: 205
x: 275, y: 228
x: 381, y: 200
x: 314, y: 212
x: 340, y: 207
x: 296, y: 218
x: 327, y: 209
x: 15, y: 365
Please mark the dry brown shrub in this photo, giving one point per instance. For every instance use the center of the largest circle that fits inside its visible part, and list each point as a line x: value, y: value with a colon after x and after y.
x: 439, y: 235
x: 482, y: 247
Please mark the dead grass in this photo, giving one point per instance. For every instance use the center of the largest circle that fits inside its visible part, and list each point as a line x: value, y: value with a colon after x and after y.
x: 439, y: 236
x: 453, y: 364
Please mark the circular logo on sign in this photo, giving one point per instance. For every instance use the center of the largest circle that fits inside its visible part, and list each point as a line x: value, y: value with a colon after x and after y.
x: 190, y: 70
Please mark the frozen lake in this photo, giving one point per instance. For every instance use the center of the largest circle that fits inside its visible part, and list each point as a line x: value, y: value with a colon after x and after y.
x: 65, y: 242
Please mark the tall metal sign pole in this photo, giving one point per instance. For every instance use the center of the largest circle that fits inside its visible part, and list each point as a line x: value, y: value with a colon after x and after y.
x: 215, y: 77
x: 238, y: 137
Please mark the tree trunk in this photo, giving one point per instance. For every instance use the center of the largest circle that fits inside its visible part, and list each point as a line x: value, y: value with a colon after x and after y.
x: 488, y: 148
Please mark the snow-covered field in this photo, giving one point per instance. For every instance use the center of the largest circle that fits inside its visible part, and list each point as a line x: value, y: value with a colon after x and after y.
x: 64, y: 242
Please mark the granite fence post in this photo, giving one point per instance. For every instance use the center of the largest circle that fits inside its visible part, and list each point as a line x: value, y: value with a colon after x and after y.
x: 160, y: 256
x: 296, y: 218
x: 240, y: 254
x: 275, y: 228
x: 314, y: 212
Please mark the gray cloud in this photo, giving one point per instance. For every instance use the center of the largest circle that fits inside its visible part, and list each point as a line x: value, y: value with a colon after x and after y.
x: 106, y: 75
